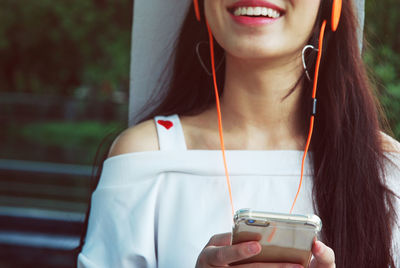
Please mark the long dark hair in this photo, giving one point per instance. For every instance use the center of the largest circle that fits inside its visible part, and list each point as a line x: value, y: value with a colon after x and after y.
x: 349, y: 192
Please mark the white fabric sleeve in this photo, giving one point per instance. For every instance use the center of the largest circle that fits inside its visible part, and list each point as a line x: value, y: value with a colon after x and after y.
x: 396, y: 234
x: 121, y: 230
x: 393, y: 183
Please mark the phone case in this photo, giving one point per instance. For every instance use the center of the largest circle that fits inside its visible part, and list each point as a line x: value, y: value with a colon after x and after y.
x: 284, y: 237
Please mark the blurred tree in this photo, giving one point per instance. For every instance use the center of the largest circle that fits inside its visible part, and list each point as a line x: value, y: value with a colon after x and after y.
x: 53, y: 47
x: 383, y: 54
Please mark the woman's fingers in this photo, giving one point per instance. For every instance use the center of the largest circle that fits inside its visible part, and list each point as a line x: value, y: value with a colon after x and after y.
x: 269, y: 265
x: 223, y: 255
x: 220, y: 252
x: 220, y: 240
x: 324, y: 257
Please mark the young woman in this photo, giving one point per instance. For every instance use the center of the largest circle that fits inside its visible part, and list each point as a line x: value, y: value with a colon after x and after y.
x: 162, y: 199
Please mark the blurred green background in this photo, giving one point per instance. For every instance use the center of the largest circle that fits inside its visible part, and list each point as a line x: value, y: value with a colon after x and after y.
x: 64, y: 76
x: 382, y: 55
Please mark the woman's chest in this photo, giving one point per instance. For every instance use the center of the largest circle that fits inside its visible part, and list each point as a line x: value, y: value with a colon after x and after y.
x: 191, y: 209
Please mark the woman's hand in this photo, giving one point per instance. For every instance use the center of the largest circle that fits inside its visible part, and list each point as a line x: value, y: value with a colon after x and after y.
x: 219, y: 253
x: 324, y: 257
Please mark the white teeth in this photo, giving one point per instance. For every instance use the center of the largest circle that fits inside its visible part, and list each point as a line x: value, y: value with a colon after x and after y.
x: 256, y: 11
x: 264, y: 11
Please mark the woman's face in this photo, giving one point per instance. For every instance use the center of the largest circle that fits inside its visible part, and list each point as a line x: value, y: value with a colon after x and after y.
x: 261, y: 29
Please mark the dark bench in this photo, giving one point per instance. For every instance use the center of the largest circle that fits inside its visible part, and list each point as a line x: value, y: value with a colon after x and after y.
x: 42, y: 209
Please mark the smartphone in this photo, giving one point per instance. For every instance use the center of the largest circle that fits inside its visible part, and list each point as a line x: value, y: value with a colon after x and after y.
x: 284, y: 238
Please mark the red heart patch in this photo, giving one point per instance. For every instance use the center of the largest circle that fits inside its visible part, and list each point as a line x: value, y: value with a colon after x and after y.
x: 167, y: 124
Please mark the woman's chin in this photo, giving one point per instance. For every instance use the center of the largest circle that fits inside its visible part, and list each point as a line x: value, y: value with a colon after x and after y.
x: 260, y: 54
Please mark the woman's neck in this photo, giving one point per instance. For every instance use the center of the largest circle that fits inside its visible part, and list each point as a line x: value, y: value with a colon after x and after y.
x: 256, y: 103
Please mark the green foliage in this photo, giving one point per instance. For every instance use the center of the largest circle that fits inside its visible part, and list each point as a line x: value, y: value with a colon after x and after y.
x: 383, y: 55
x: 69, y: 135
x: 59, y: 141
x: 53, y: 47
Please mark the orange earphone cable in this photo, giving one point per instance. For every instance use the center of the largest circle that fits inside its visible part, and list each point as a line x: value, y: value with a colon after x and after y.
x: 196, y: 9
x: 219, y: 116
x: 321, y: 38
x: 314, y: 93
x: 304, y: 160
x: 320, y: 45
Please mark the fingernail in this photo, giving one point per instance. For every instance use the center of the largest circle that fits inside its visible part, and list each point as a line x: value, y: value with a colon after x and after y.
x: 253, y: 248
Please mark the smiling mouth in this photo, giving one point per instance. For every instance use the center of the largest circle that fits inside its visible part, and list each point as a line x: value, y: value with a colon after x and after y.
x: 254, y: 11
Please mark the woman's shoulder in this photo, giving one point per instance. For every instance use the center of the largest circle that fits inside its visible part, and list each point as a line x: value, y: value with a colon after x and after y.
x: 389, y: 144
x: 139, y: 138
x: 391, y: 148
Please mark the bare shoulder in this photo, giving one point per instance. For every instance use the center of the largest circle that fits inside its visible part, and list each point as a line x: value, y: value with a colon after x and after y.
x: 139, y: 138
x: 390, y: 144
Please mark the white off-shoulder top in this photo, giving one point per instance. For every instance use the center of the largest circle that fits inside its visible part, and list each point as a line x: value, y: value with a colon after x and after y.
x: 160, y: 208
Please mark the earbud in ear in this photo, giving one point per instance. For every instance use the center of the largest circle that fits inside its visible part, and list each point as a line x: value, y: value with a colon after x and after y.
x: 336, y: 12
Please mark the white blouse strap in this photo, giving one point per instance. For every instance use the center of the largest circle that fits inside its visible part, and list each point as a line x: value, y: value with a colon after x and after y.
x: 170, y: 133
